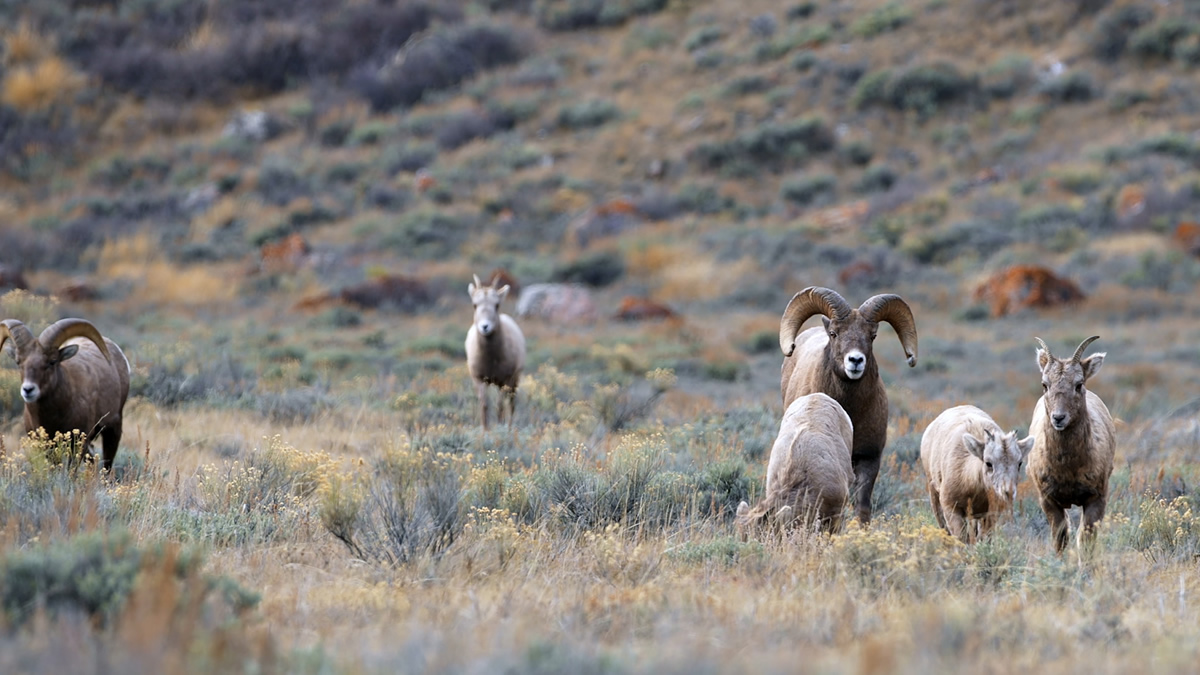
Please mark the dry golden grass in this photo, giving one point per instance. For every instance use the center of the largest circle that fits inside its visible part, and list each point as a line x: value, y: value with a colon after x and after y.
x: 38, y: 86
x: 24, y: 46
x: 157, y: 280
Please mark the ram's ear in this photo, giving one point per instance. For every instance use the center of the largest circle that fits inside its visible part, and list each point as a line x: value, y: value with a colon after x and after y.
x: 973, y: 445
x: 503, y: 292
x: 67, y: 352
x: 1091, y: 365
x: 1025, y: 445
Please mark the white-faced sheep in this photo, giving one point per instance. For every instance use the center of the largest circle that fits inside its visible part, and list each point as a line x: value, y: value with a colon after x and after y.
x: 809, y: 473
x: 1074, y: 443
x: 971, y: 470
x: 73, y: 378
x: 837, y: 359
x: 495, y: 349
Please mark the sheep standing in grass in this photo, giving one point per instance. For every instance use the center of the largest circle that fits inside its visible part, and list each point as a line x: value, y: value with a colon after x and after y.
x: 73, y: 378
x: 809, y: 473
x: 495, y: 349
x: 1074, y: 443
x: 837, y: 359
x: 971, y: 470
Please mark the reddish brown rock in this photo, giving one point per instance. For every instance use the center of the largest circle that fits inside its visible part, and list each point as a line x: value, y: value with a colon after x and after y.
x: 640, y: 309
x: 1026, y: 286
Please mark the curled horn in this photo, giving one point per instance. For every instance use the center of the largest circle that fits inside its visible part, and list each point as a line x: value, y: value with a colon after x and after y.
x: 1082, y: 346
x: 892, y: 309
x: 20, y: 335
x: 806, y: 303
x: 65, y: 329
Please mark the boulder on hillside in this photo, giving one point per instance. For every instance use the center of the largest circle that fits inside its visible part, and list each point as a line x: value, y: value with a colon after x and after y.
x: 557, y: 303
x: 1026, y: 286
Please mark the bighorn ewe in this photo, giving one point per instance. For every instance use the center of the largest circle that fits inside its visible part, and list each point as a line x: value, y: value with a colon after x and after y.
x: 809, y: 473
x: 1074, y: 443
x: 73, y: 378
x: 837, y: 360
x: 495, y: 349
x: 971, y: 470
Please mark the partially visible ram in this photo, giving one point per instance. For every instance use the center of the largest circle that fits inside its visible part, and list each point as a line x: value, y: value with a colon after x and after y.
x: 72, y: 379
x: 809, y: 473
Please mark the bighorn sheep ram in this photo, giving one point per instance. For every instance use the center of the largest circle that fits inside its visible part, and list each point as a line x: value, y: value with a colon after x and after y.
x: 1074, y: 443
x: 495, y: 349
x: 971, y: 470
x: 809, y: 473
x: 837, y: 360
x: 73, y: 378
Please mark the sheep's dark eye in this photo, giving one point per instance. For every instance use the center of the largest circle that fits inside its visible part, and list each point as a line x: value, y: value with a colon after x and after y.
x: 989, y: 466
x: 1079, y: 387
x: 832, y: 334
x: 1045, y: 387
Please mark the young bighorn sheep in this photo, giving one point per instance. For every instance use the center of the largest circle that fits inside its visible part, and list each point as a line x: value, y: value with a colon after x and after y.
x: 73, y: 378
x: 1074, y: 443
x: 495, y: 349
x: 837, y: 359
x: 809, y: 473
x: 971, y: 470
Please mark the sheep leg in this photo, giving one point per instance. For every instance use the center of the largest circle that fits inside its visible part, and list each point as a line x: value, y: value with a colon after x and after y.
x: 510, y: 393
x: 865, y: 473
x: 1057, y: 517
x: 935, y: 502
x: 957, y: 525
x: 1093, y: 512
x: 481, y: 391
x: 111, y: 436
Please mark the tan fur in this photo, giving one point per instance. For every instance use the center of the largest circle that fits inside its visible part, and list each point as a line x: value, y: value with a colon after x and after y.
x: 1071, y: 466
x: 809, y: 475
x: 966, y: 496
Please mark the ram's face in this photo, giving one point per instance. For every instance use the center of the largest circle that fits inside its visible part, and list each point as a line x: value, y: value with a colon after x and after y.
x: 40, y: 370
x: 850, y: 343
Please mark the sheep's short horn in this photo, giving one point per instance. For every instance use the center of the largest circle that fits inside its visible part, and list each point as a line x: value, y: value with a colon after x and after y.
x: 65, y: 329
x: 894, y: 310
x: 20, y: 335
x: 808, y: 302
x: 1082, y: 346
x: 1044, y: 347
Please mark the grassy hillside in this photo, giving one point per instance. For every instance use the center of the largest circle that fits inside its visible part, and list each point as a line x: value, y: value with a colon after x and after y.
x: 276, y: 207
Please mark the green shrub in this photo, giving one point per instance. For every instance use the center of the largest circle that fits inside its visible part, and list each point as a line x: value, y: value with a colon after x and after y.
x: 1111, y: 35
x: 744, y: 85
x: 702, y: 37
x: 810, y: 190
x: 587, y: 114
x: 775, y: 146
x: 1158, y: 40
x: 598, y: 269
x: 1008, y: 75
x: 95, y: 573
x: 884, y: 19
x: 566, y: 15
x: 1074, y: 87
x: 878, y: 178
